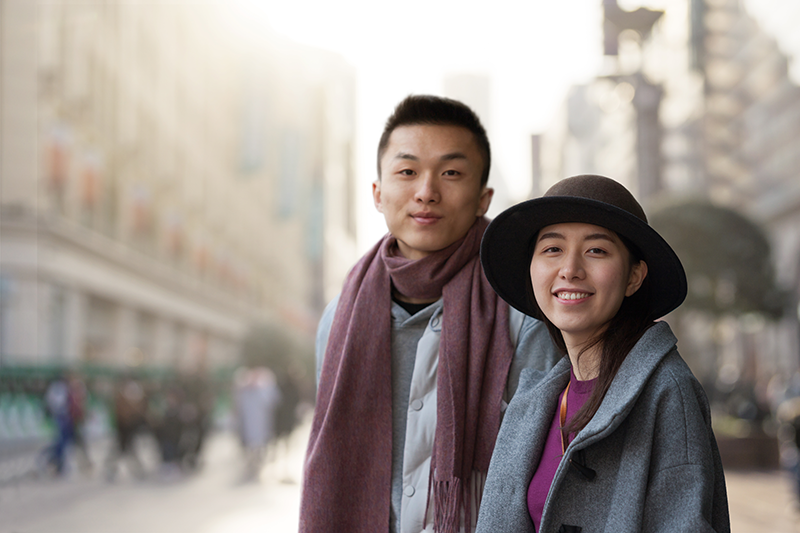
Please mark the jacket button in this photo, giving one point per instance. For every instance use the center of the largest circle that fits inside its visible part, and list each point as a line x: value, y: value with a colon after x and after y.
x: 416, y: 405
x: 409, y: 491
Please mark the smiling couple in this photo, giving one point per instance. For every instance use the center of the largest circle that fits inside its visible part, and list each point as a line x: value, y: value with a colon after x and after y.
x: 419, y: 360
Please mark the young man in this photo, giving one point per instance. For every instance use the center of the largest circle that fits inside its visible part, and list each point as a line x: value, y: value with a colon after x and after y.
x: 417, y: 357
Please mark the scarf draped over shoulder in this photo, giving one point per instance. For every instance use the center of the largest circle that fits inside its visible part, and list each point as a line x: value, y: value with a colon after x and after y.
x: 347, y: 475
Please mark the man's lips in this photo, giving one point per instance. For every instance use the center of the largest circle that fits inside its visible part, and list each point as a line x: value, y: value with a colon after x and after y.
x: 425, y: 217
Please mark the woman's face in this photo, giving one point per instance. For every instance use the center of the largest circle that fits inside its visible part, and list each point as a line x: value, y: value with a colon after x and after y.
x: 580, y: 274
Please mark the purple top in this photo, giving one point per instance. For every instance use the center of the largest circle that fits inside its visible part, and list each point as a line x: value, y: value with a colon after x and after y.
x: 579, y: 392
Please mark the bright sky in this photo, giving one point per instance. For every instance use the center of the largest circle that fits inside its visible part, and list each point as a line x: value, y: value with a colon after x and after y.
x: 780, y: 19
x: 532, y: 51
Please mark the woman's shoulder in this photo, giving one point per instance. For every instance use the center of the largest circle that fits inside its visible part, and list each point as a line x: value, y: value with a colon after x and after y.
x: 536, y: 389
x: 673, y: 387
x: 655, y: 362
x: 672, y: 371
x: 531, y: 379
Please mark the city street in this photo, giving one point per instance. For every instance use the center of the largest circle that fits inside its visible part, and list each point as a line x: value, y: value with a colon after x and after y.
x: 216, y: 500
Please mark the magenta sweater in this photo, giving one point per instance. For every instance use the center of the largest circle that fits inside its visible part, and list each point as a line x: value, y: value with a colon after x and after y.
x: 579, y: 392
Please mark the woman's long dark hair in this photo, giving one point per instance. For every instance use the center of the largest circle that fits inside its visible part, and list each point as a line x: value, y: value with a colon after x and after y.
x: 623, y: 332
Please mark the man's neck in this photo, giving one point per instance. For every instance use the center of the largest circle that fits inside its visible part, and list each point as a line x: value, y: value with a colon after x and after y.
x: 397, y: 296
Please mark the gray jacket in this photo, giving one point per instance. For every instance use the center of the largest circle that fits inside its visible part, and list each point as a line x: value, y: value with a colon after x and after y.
x: 650, y: 446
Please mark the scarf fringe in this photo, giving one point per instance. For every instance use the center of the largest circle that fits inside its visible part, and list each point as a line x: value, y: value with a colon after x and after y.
x: 448, y: 500
x: 446, y: 497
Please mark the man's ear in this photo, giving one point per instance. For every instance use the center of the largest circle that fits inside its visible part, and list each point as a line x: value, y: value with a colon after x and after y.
x: 486, y: 199
x: 376, y: 195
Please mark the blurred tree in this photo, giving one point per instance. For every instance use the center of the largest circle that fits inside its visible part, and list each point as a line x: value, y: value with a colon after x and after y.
x: 726, y: 256
x: 280, y: 349
x: 731, y: 280
x: 291, y: 357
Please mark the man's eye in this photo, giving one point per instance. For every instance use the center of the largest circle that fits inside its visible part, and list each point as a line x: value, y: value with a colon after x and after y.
x: 451, y: 173
x: 407, y: 172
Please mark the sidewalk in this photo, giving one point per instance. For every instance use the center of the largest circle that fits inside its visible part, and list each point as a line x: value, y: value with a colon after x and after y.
x: 762, y: 502
x: 213, y: 500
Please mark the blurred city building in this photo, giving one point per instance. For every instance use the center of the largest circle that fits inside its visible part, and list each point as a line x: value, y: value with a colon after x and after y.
x: 166, y: 183
x: 475, y: 90
x: 611, y: 125
x: 696, y: 100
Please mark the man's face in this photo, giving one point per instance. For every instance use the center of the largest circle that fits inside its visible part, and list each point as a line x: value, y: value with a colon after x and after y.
x: 430, y: 189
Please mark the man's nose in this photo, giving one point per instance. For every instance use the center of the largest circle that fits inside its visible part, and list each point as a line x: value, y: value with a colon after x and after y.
x: 427, y: 189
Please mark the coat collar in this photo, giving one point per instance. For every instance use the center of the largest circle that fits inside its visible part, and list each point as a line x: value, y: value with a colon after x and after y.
x: 634, y: 372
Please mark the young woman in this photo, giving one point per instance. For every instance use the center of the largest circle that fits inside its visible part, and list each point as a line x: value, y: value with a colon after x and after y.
x: 617, y: 437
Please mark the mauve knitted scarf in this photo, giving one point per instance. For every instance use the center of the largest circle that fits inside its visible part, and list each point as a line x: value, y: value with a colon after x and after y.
x: 347, y: 476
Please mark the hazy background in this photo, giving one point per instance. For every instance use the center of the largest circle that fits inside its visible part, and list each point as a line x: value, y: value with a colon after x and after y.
x: 185, y: 184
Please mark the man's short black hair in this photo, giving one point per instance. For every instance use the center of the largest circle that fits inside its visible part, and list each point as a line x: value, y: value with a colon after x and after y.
x: 438, y: 111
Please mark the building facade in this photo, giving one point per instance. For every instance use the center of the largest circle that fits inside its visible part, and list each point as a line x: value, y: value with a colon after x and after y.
x: 166, y: 184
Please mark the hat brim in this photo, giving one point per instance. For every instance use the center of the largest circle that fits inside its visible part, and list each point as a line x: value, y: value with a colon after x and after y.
x: 506, y: 249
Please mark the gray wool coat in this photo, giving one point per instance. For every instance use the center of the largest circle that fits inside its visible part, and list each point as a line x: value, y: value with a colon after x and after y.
x: 650, y: 446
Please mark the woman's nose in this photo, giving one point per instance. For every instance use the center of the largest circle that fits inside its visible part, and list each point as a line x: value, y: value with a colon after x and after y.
x: 572, y: 266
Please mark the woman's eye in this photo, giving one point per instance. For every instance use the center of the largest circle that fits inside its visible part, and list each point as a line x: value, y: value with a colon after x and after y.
x: 451, y: 173
x: 598, y: 251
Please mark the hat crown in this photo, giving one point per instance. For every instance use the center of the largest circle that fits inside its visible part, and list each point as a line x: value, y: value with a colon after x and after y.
x: 600, y: 189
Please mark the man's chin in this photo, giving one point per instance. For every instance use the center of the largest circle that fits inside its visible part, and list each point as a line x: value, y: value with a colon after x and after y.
x: 417, y: 249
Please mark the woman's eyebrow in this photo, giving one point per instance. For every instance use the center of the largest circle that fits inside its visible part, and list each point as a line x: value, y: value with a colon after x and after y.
x: 590, y: 237
x: 550, y: 235
x: 599, y: 236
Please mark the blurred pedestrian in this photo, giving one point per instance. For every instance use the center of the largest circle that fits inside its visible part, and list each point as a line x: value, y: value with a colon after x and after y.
x: 196, y: 411
x: 257, y: 397
x: 788, y: 415
x: 77, y: 398
x: 286, y: 416
x: 168, y: 427
x: 58, y: 408
x: 130, y: 417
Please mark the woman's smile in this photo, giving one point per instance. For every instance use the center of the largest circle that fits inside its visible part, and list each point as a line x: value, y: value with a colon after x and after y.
x: 572, y: 296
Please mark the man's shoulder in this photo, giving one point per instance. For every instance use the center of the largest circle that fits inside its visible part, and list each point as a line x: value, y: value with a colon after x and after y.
x: 330, y: 309
x: 326, y: 319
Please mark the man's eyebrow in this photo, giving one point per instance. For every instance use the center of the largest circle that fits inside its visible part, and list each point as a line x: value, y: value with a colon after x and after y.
x: 446, y: 157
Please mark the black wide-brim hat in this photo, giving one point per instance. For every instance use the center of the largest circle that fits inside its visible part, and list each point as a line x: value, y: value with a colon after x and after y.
x: 507, y: 246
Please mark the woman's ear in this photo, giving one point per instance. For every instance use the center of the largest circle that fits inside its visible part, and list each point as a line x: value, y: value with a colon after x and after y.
x: 636, y: 278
